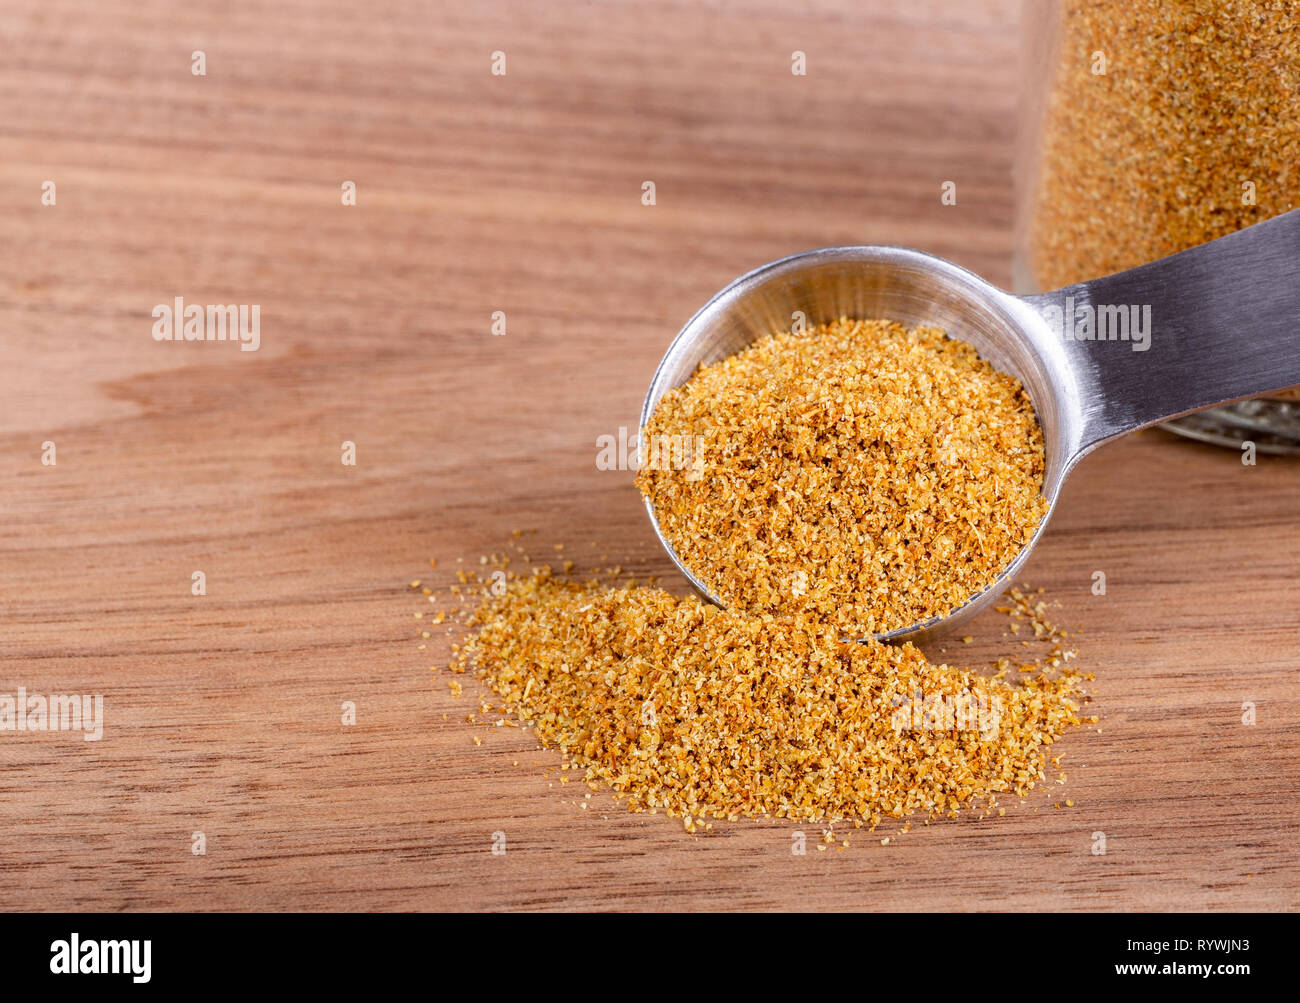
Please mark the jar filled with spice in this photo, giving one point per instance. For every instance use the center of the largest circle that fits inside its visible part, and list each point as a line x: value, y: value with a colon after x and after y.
x: 1151, y: 126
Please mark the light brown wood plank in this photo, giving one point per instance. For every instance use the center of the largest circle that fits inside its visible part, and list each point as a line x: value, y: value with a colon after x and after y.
x: 521, y: 194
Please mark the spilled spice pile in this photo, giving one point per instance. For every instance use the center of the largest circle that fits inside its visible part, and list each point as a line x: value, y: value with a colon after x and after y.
x: 681, y: 707
x: 1152, y: 156
x: 860, y: 473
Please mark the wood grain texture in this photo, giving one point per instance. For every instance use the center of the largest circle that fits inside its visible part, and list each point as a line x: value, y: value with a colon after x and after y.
x: 519, y: 193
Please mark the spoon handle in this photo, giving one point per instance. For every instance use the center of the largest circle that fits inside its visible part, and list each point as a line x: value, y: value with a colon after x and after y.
x: 1212, y: 324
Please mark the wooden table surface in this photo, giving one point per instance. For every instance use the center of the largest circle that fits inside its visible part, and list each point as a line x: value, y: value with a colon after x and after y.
x: 519, y: 193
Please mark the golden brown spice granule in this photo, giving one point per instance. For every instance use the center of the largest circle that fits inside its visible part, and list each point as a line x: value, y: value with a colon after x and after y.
x: 859, y: 472
x: 681, y: 707
x: 1150, y: 157
x: 1023, y: 606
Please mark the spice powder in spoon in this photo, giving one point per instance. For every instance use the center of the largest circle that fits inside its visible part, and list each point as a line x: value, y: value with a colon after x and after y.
x: 861, y: 473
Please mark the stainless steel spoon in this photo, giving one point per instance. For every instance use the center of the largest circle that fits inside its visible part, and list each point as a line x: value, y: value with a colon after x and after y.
x: 1224, y: 324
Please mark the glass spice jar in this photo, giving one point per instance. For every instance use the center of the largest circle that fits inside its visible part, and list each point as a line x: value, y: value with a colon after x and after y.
x: 1151, y: 126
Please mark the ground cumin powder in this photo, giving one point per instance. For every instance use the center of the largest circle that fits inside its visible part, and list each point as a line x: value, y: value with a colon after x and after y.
x: 860, y: 473
x: 843, y: 481
x: 681, y: 707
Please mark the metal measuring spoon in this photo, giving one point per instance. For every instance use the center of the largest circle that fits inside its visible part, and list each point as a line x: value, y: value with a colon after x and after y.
x: 1224, y: 324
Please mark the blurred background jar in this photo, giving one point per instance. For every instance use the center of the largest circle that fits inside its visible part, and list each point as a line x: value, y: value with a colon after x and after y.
x: 1151, y: 126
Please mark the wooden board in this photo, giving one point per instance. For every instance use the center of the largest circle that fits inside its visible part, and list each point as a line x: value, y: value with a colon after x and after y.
x: 519, y: 193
